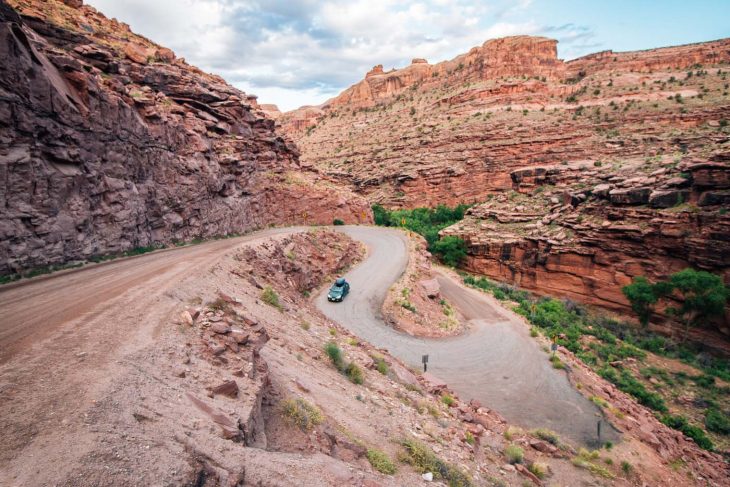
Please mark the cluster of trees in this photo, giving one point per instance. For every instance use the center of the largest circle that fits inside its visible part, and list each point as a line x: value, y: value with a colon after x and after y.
x: 428, y: 222
x: 701, y: 295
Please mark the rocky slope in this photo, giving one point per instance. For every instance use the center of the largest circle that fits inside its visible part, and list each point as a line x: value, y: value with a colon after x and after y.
x: 111, y: 142
x: 598, y: 169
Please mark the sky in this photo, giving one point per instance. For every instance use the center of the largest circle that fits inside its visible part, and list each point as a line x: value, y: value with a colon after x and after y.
x: 303, y: 52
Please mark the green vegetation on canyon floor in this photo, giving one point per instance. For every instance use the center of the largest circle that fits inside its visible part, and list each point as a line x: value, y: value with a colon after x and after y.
x: 685, y: 386
x: 428, y: 222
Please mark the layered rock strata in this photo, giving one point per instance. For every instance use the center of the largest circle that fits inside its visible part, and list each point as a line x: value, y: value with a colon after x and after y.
x: 593, y: 171
x: 110, y: 142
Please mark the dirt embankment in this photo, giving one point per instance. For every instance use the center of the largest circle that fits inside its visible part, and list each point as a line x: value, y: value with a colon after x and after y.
x: 414, y: 304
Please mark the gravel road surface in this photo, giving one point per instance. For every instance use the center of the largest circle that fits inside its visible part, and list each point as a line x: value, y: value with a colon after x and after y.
x: 496, y: 361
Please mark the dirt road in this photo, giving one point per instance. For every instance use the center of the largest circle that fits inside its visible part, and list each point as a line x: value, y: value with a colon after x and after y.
x: 496, y: 362
x: 65, y: 340
x: 33, y: 310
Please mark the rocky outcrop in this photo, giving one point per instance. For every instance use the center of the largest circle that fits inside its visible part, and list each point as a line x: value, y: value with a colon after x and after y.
x: 648, y: 60
x: 595, y: 170
x: 454, y: 131
x: 110, y: 142
x: 585, y: 244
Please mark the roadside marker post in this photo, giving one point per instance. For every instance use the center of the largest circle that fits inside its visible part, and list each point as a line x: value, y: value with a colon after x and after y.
x: 424, y: 359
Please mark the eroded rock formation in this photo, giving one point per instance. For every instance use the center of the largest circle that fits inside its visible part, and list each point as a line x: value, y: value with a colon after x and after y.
x: 621, y: 155
x: 110, y: 142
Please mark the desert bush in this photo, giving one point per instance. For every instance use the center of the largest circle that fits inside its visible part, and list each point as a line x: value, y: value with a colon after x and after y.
x: 717, y: 421
x: 269, y: 296
x: 547, y: 435
x: 381, y: 462
x: 538, y: 469
x: 696, y: 433
x: 514, y: 454
x: 302, y: 414
x: 423, y: 460
x: 354, y: 373
x: 448, y: 400
x: 337, y: 221
x: 381, y: 365
x: 335, y: 354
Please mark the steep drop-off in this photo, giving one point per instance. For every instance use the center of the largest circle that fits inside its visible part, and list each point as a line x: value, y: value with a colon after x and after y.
x: 109, y: 142
x: 593, y: 170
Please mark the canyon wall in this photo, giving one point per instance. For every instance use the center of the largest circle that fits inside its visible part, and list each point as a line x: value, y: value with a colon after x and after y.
x: 110, y: 142
x: 584, y: 173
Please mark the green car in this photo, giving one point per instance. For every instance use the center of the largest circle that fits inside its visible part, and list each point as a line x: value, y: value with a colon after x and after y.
x: 339, y: 290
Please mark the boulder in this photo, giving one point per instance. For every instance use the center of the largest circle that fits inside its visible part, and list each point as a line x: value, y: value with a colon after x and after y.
x: 601, y: 190
x: 710, y: 174
x: 431, y: 288
x: 543, y: 446
x: 668, y: 198
x: 165, y: 55
x: 138, y: 54
x: 185, y: 318
x: 228, y: 388
x: 220, y: 328
x: 240, y: 336
x: 433, y: 383
x: 713, y: 198
x: 630, y: 196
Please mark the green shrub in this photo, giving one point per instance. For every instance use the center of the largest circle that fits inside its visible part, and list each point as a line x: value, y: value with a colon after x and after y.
x: 717, y: 421
x: 381, y: 365
x: 547, y: 435
x: 514, y: 454
x: 302, y: 414
x: 270, y: 297
x: 626, y: 467
x: 628, y: 383
x: 511, y: 432
x: 381, y: 462
x: 538, y: 469
x: 335, y: 354
x: 354, y: 373
x: 585, y: 460
x: 337, y: 221
x: 451, y: 250
x: 557, y: 364
x: 696, y: 433
x: 448, y: 400
x: 424, y: 460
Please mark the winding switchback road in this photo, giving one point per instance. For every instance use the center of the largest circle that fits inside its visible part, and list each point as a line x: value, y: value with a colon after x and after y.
x: 495, y: 362
x: 97, y: 311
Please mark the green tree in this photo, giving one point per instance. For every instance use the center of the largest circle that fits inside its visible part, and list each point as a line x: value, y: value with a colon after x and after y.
x: 703, y: 296
x: 381, y: 216
x: 450, y: 249
x: 643, y: 296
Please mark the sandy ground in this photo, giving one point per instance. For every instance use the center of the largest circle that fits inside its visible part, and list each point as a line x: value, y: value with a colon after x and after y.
x: 495, y: 362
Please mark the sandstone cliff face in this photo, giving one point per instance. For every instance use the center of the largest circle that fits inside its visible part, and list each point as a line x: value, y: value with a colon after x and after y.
x: 110, y: 142
x: 586, y: 239
x: 622, y: 156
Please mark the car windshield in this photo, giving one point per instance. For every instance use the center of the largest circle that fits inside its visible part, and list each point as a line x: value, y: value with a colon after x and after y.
x: 335, y: 289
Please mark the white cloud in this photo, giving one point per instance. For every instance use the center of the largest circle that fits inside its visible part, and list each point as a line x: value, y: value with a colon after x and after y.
x: 302, y: 52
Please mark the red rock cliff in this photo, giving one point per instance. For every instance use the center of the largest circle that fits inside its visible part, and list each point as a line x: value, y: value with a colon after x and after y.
x: 109, y: 142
